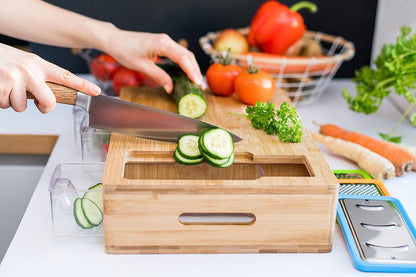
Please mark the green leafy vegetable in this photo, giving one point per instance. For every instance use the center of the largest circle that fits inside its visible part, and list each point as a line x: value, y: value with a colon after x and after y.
x: 395, y: 70
x: 283, y: 122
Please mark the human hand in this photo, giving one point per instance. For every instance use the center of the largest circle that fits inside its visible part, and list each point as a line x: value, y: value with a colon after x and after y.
x: 21, y: 71
x: 139, y: 51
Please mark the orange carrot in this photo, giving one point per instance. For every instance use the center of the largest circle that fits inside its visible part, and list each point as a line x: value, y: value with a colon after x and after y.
x: 400, y: 158
x: 412, y: 151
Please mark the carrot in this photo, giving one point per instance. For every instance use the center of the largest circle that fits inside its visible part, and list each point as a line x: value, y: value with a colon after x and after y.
x: 400, y: 158
x: 377, y: 166
x: 276, y: 64
x: 412, y: 151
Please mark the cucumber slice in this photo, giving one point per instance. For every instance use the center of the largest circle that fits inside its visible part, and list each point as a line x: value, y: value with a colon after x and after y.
x: 79, y: 215
x: 97, y: 186
x: 214, y: 161
x: 230, y: 161
x: 217, y: 143
x: 182, y: 160
x: 92, y: 212
x: 192, y: 105
x: 188, y: 147
x: 95, y: 194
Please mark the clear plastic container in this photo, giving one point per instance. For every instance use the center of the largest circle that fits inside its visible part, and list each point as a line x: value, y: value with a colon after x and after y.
x: 94, y: 142
x: 70, y: 181
x: 79, y: 115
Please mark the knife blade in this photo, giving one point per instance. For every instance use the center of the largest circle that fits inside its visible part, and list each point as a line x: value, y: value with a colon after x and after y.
x: 120, y: 116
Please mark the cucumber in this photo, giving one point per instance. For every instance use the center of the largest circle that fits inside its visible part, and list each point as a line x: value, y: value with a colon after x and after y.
x: 214, y: 161
x: 230, y: 161
x: 188, y: 96
x: 88, y: 210
x: 183, y: 160
x: 217, y: 143
x: 95, y: 194
x: 79, y: 215
x: 92, y: 212
x: 215, y: 146
x: 188, y: 147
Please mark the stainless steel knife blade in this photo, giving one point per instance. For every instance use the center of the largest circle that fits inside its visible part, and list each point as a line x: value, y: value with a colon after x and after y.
x: 116, y: 115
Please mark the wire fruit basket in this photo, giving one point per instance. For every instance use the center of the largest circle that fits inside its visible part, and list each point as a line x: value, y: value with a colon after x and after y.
x: 303, y: 78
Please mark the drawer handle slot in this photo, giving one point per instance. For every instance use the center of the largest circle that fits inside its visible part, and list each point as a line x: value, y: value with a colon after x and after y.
x: 217, y: 218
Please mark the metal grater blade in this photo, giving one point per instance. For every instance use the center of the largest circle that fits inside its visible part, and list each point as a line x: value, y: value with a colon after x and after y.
x: 349, y: 175
x: 380, y: 231
x: 359, y: 189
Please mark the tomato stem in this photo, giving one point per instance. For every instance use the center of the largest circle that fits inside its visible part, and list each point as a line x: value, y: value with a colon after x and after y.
x: 227, y: 59
x: 312, y: 7
x: 253, y: 69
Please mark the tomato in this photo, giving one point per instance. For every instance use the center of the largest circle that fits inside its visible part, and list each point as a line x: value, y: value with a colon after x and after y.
x: 151, y: 83
x: 141, y: 77
x: 221, y: 78
x: 125, y: 77
x: 254, y: 85
x: 103, y: 67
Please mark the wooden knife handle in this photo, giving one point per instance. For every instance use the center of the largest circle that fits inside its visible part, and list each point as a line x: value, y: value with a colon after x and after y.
x: 63, y: 94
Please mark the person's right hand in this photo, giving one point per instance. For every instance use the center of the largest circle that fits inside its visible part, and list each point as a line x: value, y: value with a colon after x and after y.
x: 21, y: 71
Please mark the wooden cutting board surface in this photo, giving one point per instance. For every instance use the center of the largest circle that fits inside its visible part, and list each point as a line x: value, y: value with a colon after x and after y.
x: 228, y: 113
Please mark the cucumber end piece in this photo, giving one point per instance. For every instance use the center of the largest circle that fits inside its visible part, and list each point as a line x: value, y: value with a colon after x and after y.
x: 192, y: 105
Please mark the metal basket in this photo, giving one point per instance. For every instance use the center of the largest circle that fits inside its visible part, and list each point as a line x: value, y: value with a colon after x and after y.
x: 303, y: 78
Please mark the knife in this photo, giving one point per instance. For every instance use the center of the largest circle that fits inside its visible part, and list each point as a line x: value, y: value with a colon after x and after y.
x: 120, y: 116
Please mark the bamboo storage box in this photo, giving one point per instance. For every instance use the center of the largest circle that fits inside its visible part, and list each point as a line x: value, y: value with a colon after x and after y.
x: 276, y: 197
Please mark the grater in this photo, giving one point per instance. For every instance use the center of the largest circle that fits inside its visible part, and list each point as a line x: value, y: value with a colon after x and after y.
x: 351, y: 174
x: 379, y: 233
x: 372, y: 187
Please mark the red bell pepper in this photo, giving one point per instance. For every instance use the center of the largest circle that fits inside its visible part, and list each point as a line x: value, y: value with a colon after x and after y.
x: 275, y: 27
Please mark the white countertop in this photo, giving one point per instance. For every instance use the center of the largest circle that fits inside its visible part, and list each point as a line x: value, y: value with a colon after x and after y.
x: 35, y: 251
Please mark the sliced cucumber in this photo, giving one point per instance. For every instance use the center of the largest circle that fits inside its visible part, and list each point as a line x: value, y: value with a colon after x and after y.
x: 79, y: 215
x: 97, y: 186
x: 230, y: 161
x: 95, y: 194
x: 92, y: 212
x: 192, y: 105
x: 188, y: 147
x: 215, y: 146
x: 183, y: 160
x: 217, y: 143
x: 214, y: 161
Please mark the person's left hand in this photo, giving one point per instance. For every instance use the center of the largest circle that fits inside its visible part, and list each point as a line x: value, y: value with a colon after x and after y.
x: 139, y: 51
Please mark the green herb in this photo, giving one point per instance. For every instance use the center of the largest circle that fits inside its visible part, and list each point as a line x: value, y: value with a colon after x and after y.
x: 283, y: 122
x: 395, y: 70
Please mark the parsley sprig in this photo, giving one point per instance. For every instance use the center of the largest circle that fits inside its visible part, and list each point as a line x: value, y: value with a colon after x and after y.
x: 395, y: 70
x: 283, y: 121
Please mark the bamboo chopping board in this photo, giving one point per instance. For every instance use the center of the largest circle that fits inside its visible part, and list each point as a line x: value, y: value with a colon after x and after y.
x: 295, y: 159
x: 288, y: 187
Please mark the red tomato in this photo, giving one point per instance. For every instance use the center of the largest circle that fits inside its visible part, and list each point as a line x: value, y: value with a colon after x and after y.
x: 103, y: 67
x: 151, y: 83
x: 125, y: 77
x: 141, y: 77
x: 252, y: 86
x: 221, y: 78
